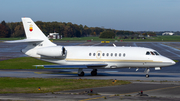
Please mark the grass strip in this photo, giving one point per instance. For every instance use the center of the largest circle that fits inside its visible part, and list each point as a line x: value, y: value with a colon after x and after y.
x: 151, y: 39
x: 31, y: 85
x: 165, y: 38
x: 22, y: 63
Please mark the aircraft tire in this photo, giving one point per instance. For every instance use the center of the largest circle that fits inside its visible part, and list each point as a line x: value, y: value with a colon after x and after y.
x: 93, y: 73
x: 147, y: 75
x: 82, y: 74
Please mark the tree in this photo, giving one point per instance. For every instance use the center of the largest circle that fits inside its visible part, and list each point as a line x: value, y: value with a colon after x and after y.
x: 120, y: 33
x: 151, y: 33
x: 19, y: 31
x: 4, y: 30
x: 77, y: 30
x: 107, y: 34
x: 15, y: 29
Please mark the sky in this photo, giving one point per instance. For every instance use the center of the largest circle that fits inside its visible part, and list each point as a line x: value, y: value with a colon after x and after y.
x: 131, y: 15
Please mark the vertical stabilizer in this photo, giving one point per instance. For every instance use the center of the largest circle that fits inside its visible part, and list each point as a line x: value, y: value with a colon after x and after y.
x: 33, y: 32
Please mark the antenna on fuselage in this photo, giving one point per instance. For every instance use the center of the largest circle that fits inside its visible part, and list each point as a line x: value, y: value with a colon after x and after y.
x: 114, y: 45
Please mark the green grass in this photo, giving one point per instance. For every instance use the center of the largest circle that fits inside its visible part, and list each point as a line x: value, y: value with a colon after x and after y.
x: 175, y: 60
x: 83, y: 39
x: 11, y: 38
x: 167, y: 38
x: 31, y: 85
x: 158, y: 38
x: 22, y: 63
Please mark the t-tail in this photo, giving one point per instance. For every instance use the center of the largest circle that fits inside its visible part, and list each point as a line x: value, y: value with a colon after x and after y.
x: 38, y: 44
x: 34, y: 33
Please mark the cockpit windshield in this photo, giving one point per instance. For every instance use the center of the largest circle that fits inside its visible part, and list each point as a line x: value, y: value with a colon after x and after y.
x: 147, y: 53
x: 156, y: 53
x: 152, y: 53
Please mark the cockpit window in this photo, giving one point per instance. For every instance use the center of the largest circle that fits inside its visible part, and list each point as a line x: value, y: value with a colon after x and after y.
x: 152, y: 53
x: 147, y: 53
x: 156, y: 53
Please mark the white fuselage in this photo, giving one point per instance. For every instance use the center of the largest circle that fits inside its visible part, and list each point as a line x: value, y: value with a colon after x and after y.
x: 115, y: 57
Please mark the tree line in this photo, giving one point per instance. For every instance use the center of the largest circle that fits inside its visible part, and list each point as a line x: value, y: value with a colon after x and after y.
x: 15, y: 29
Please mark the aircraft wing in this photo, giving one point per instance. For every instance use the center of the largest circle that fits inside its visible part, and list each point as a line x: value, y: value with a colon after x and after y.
x: 73, y: 66
x: 24, y: 40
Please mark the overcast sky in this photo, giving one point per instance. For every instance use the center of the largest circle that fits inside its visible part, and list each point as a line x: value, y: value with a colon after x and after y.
x: 133, y: 15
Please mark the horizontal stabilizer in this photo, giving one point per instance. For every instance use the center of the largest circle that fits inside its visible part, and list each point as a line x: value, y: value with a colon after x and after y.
x: 24, y: 40
x: 72, y: 66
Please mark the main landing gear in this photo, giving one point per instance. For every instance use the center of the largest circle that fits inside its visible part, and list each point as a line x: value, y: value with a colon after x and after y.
x: 81, y: 73
x: 94, y: 72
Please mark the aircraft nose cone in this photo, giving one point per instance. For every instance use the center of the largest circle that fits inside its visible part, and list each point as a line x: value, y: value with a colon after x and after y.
x: 168, y: 61
x: 173, y: 62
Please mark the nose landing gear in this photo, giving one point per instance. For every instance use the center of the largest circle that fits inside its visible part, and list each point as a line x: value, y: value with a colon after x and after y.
x: 147, y: 75
x: 147, y: 70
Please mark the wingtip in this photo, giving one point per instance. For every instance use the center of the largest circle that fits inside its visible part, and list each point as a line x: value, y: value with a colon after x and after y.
x: 25, y: 17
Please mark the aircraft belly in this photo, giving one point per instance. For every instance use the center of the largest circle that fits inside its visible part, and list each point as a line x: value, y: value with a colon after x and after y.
x: 141, y: 64
x: 129, y: 64
x: 64, y: 62
x: 157, y: 64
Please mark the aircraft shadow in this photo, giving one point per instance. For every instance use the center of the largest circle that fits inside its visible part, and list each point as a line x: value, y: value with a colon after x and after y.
x: 111, y: 75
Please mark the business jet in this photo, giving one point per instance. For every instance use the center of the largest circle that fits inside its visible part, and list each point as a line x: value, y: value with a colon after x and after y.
x: 88, y: 57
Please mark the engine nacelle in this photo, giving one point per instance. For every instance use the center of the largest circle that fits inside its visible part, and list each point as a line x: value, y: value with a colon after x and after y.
x: 54, y: 51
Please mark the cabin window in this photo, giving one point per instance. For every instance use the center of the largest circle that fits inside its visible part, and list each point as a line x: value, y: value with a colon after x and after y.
x: 98, y: 54
x: 115, y: 54
x: 147, y: 53
x: 107, y: 54
x: 94, y: 54
x: 119, y: 54
x: 89, y: 54
x: 103, y: 54
x: 124, y: 54
x: 156, y: 53
x: 111, y: 54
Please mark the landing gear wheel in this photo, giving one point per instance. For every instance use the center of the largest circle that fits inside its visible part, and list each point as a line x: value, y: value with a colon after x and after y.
x: 147, y: 75
x: 81, y: 74
x: 93, y: 73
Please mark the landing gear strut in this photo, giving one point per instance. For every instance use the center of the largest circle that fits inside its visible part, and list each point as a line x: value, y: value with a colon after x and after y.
x: 80, y: 72
x: 94, y: 72
x: 147, y: 70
